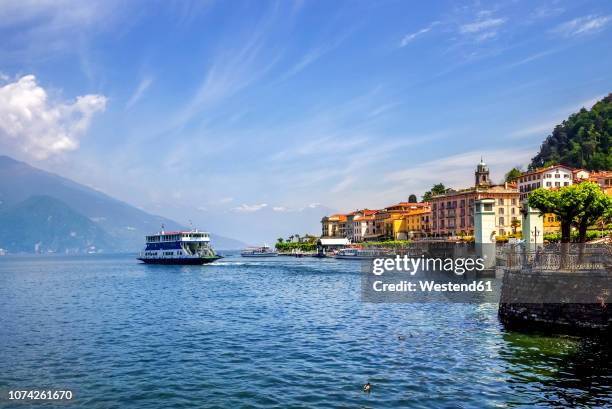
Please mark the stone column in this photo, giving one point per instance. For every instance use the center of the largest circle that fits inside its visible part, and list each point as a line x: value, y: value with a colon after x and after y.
x: 485, y: 231
x: 533, y: 227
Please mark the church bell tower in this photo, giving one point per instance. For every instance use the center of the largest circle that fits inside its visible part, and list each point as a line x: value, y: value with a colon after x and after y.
x: 482, y: 175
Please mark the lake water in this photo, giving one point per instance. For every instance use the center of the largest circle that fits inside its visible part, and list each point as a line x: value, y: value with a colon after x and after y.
x: 267, y: 333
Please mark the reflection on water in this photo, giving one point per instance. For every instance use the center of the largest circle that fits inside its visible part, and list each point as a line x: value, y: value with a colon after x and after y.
x: 566, y: 370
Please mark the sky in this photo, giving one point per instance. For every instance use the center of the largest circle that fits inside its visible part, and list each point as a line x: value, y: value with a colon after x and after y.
x: 253, y: 119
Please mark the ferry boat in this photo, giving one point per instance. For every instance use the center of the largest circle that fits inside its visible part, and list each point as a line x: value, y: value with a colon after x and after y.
x: 353, y: 253
x: 263, y: 251
x: 179, y: 247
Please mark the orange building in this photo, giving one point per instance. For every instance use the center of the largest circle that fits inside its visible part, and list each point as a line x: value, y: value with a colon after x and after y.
x: 334, y: 226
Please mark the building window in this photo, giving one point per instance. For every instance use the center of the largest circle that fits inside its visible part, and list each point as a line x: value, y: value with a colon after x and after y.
x: 548, y: 184
x: 501, y: 201
x: 501, y: 221
x: 513, y: 202
x: 501, y: 210
x: 565, y: 183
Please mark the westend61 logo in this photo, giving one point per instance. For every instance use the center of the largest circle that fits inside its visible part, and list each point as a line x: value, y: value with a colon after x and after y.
x: 425, y: 279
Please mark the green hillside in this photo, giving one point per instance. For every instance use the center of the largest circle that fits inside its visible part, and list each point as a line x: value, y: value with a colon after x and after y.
x: 584, y: 140
x: 44, y: 224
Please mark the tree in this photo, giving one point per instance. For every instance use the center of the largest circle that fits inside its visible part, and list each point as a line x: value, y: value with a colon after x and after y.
x: 412, y: 198
x: 515, y: 224
x: 595, y: 205
x: 512, y: 174
x: 436, y: 189
x: 584, y: 140
x: 560, y: 202
x: 280, y: 240
x: 582, y: 204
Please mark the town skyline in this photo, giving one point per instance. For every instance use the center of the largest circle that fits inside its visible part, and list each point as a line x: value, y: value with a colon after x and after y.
x: 252, y: 118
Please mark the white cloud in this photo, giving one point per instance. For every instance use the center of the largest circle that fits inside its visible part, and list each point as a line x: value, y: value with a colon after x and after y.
x: 245, y: 208
x: 541, y: 129
x: 457, y: 171
x: 583, y: 25
x: 482, y: 25
x: 144, y: 84
x: 411, y: 36
x: 39, y: 127
x: 279, y: 209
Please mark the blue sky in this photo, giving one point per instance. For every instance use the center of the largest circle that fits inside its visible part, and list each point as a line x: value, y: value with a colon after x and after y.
x: 255, y: 118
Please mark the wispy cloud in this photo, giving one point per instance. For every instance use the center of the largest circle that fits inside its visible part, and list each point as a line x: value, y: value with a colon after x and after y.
x: 246, y: 208
x: 408, y: 38
x: 143, y: 86
x: 483, y: 25
x: 483, y: 28
x: 532, y: 57
x: 232, y: 70
x: 583, y: 25
x: 546, y: 127
x: 313, y: 55
x: 454, y: 171
x: 540, y: 129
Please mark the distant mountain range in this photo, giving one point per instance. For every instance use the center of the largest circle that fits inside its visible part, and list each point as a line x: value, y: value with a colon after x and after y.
x: 44, y: 212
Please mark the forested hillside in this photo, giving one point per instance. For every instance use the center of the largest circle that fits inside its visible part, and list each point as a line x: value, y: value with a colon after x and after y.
x: 584, y: 140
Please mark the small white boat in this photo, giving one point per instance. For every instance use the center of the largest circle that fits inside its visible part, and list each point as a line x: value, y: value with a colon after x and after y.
x: 263, y: 251
x: 359, y: 254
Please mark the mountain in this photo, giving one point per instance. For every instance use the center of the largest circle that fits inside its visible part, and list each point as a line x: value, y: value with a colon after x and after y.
x: 126, y: 225
x: 44, y: 224
x: 584, y: 140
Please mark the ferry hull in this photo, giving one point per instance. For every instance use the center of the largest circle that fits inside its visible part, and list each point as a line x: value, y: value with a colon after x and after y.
x: 178, y: 261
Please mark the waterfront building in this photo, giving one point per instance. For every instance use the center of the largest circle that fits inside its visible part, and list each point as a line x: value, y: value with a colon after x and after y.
x: 418, y: 222
x: 394, y: 220
x: 363, y: 225
x: 551, y: 177
x: 580, y: 175
x: 548, y: 178
x: 603, y: 178
x: 452, y: 213
x: 334, y: 226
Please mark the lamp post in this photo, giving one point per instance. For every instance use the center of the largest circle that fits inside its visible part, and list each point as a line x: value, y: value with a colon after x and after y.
x: 535, y: 233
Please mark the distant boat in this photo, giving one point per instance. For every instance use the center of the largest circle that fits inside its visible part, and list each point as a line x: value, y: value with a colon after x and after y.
x: 263, y: 251
x: 180, y: 247
x: 359, y: 254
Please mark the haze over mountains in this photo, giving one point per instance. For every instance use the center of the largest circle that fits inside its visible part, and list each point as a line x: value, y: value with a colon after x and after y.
x: 44, y: 212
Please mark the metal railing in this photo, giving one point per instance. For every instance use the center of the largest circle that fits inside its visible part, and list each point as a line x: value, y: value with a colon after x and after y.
x: 569, y: 257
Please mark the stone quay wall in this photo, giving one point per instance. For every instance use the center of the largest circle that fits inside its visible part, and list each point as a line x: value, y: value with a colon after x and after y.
x: 574, y: 302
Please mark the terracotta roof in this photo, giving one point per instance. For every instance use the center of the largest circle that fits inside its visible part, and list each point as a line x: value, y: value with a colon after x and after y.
x: 546, y: 169
x: 601, y: 174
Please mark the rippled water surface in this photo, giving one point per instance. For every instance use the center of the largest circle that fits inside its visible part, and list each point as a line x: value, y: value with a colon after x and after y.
x: 267, y: 333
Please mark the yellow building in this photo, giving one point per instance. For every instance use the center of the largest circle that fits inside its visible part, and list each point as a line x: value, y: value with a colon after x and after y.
x: 405, y: 220
x: 551, y: 223
x: 333, y: 226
